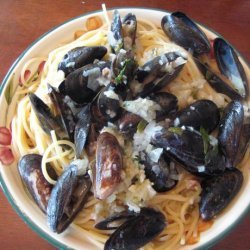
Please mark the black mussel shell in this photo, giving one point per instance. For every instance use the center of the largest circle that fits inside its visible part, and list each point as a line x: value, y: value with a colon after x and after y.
x: 138, y: 231
x: 230, y: 131
x: 108, y: 103
x: 243, y: 144
x: 168, y: 103
x: 47, y: 120
x: 67, y: 198
x: 183, y: 31
x: 162, y: 174
x: 189, y: 148
x: 218, y: 191
x: 81, y: 56
x: 230, y: 66
x: 129, y: 26
x: 216, y: 82
x: 82, y: 129
x: 202, y: 113
x: 154, y: 75
x: 115, y: 36
x: 83, y: 84
x: 63, y: 111
x: 30, y: 170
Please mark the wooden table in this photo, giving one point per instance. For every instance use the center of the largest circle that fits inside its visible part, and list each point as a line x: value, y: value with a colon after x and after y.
x: 21, y: 22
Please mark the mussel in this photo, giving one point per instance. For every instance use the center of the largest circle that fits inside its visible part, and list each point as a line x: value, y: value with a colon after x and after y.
x: 108, y: 102
x: 158, y: 72
x: 243, y: 144
x: 30, y: 170
x: 191, y: 149
x: 230, y: 130
x: 202, y: 113
x: 218, y: 191
x: 128, y: 122
x: 81, y: 56
x: 139, y: 229
x: 108, y: 165
x: 162, y: 173
x: 216, y: 82
x: 67, y: 198
x: 183, y: 31
x: 82, y: 129
x: 49, y: 121
x: 129, y: 26
x: 115, y: 36
x: 63, y: 111
x: 230, y: 66
x: 168, y: 103
x: 83, y: 84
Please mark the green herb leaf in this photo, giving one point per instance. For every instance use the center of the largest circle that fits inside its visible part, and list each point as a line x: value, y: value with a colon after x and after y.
x: 119, y: 78
x: 141, y: 126
x: 205, y: 137
x: 8, y: 91
x: 176, y: 130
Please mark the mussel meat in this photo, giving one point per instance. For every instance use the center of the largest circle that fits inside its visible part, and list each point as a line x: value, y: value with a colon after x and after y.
x: 129, y: 26
x: 108, y: 165
x: 30, y: 170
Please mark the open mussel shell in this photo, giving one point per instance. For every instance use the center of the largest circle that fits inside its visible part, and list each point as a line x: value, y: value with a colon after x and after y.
x: 216, y: 82
x: 108, y: 102
x: 187, y: 147
x: 230, y: 66
x: 115, y: 36
x: 129, y: 26
x: 63, y: 112
x: 137, y: 231
x: 183, y: 31
x: 30, y: 170
x: 82, y: 129
x: 218, y: 191
x: 81, y: 56
x: 162, y: 173
x: 230, y: 130
x: 47, y: 120
x: 67, y: 198
x: 108, y: 165
x: 83, y: 84
x: 168, y: 103
x: 202, y: 113
x: 160, y: 71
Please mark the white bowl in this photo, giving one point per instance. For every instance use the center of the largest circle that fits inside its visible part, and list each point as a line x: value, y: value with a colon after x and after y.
x: 9, y: 176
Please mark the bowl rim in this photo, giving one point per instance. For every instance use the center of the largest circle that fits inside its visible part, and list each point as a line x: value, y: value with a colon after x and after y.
x: 3, y: 185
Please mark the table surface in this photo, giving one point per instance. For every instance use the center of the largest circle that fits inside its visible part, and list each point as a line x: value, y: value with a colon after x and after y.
x: 21, y: 22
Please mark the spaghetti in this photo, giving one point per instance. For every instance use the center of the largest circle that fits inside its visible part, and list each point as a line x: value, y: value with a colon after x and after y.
x: 179, y: 205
